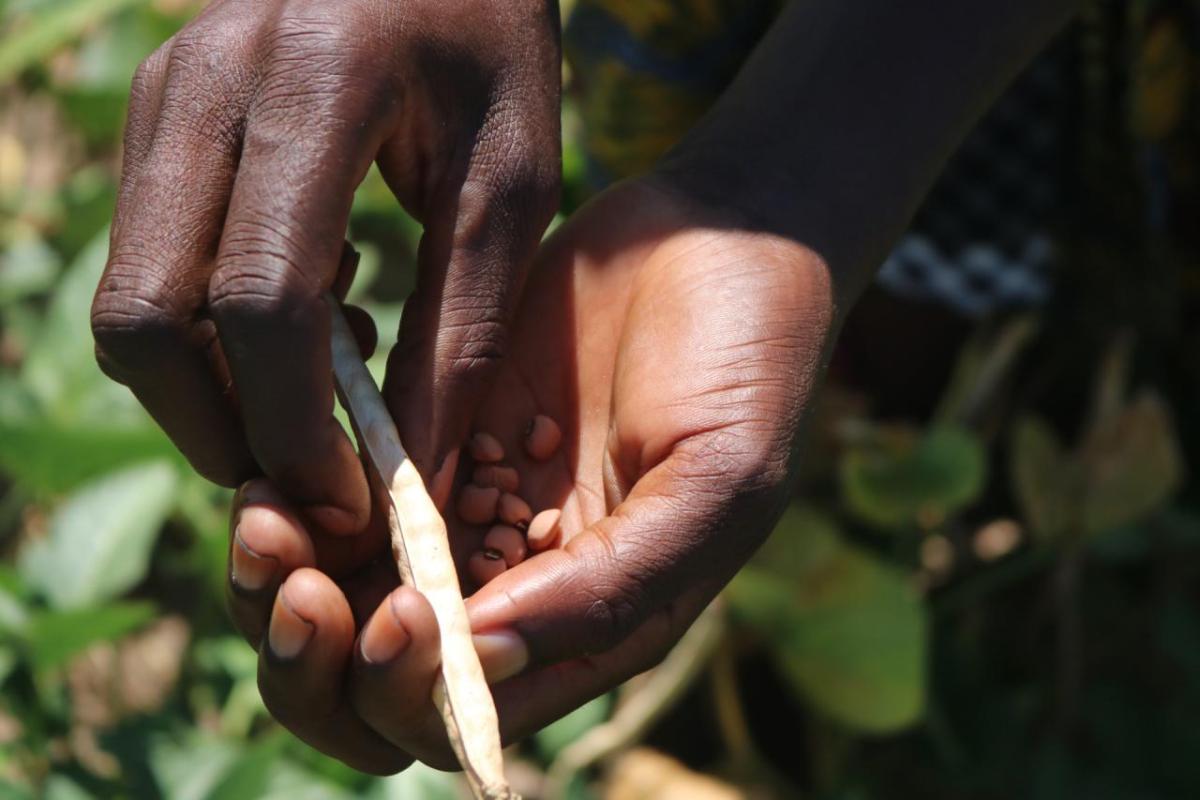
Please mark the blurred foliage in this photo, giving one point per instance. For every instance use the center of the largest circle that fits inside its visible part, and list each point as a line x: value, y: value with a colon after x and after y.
x: 913, y: 628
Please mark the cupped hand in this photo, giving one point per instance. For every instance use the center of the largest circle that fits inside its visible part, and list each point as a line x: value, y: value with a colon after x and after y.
x: 247, y: 135
x: 677, y: 349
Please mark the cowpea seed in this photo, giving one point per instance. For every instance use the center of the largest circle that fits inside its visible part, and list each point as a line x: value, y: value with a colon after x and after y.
x: 544, y: 529
x: 503, y: 477
x: 508, y: 541
x: 486, y: 448
x: 484, y: 565
x: 513, y: 510
x: 477, y: 504
x: 542, y: 437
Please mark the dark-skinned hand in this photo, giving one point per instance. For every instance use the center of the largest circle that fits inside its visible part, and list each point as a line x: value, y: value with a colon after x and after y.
x: 248, y: 133
x: 677, y: 349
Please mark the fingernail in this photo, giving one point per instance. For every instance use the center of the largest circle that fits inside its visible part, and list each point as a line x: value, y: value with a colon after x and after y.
x: 289, y: 633
x: 384, y: 640
x: 333, y: 519
x: 248, y: 569
x: 255, y: 491
x: 502, y: 653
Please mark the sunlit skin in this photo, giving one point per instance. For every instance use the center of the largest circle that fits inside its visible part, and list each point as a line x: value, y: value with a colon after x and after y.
x: 677, y: 350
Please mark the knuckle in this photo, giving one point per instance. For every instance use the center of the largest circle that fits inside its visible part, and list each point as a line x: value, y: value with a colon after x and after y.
x: 740, y: 457
x: 207, y: 88
x: 258, y: 277
x: 203, y: 50
x: 134, y: 315
x: 246, y: 298
x: 475, y: 340
x: 609, y: 619
x: 318, y: 51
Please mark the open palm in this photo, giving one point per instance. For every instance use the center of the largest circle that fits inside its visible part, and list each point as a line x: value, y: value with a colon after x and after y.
x: 677, y: 350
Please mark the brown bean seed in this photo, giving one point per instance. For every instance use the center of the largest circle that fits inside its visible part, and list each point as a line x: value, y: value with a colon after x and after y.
x: 542, y: 437
x: 544, y: 529
x: 503, y: 477
x: 477, y: 504
x: 486, y: 448
x: 513, y: 510
x: 508, y: 541
x: 484, y: 566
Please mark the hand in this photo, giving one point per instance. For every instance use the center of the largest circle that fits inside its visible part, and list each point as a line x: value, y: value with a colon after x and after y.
x: 678, y: 351
x: 247, y: 135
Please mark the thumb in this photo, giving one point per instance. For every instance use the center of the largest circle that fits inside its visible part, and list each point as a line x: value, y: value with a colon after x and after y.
x: 684, y: 531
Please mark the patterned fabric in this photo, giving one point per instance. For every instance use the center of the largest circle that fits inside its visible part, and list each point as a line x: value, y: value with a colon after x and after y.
x: 1119, y: 95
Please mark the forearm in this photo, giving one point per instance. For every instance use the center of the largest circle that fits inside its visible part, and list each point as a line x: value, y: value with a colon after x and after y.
x: 839, y: 123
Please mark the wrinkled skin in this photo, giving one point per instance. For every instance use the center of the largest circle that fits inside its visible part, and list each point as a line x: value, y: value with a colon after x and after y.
x: 677, y: 350
x: 247, y: 135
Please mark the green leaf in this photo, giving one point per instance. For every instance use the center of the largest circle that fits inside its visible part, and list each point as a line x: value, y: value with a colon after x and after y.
x: 60, y: 787
x: 201, y: 766
x: 97, y: 114
x: 846, y: 631
x: 48, y: 456
x: 107, y: 57
x: 249, y: 776
x: 53, y: 637
x: 8, y: 662
x: 899, y: 479
x: 14, y: 615
x: 1045, y: 478
x: 28, y: 267
x: 557, y: 735
x: 14, y: 791
x: 1133, y: 465
x: 48, y: 30
x: 188, y: 768
x: 60, y: 369
x: 100, y: 540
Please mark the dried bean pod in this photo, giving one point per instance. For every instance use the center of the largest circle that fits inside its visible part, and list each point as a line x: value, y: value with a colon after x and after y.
x: 422, y: 552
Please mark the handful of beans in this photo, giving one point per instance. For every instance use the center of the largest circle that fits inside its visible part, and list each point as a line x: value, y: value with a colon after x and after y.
x: 491, y: 498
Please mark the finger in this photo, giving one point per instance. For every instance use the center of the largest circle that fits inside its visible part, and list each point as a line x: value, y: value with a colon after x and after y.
x: 268, y: 543
x: 363, y: 327
x: 686, y: 525
x: 482, y: 229
x: 397, y: 657
x: 151, y: 334
x: 302, y: 669
x: 145, y: 100
x: 343, y: 279
x: 279, y: 255
x: 360, y: 322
